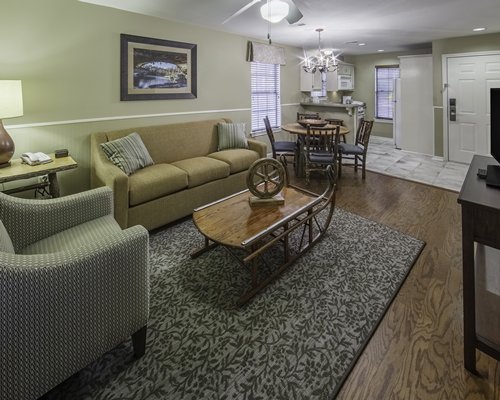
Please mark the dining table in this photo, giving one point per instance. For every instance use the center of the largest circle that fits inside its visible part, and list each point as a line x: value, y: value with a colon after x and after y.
x: 299, y: 130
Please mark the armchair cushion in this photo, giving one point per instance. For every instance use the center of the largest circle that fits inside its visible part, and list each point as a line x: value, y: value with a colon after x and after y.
x: 74, y: 238
x: 128, y: 153
x: 5, y: 243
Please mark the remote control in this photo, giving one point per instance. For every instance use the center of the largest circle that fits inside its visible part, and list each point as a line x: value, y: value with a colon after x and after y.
x: 481, y: 173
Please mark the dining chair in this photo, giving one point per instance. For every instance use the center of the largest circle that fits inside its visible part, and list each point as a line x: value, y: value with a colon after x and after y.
x: 320, y: 150
x: 279, y: 148
x: 356, y: 151
x: 301, y: 116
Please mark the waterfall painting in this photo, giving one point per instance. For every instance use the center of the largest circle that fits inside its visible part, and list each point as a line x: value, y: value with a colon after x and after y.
x: 157, y: 69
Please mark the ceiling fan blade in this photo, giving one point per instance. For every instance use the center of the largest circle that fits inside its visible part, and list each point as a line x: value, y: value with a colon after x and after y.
x: 241, y: 10
x: 294, y: 14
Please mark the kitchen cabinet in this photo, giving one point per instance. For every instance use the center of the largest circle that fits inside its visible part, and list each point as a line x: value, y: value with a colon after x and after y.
x: 341, y: 79
x: 309, y: 82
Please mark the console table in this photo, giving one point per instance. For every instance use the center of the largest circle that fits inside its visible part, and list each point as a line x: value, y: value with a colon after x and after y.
x: 18, y: 170
x: 481, y: 224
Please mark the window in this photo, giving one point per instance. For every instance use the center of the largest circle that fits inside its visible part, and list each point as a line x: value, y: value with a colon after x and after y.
x: 384, y: 85
x: 265, y: 88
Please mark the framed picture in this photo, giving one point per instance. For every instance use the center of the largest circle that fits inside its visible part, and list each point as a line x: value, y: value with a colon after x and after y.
x: 156, y: 69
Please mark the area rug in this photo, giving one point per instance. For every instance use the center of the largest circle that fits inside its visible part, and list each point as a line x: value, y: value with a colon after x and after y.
x: 297, y: 339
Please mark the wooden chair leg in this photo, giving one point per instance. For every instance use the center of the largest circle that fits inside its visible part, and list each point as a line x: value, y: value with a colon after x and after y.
x: 363, y: 168
x: 139, y: 341
x: 340, y: 164
x: 356, y: 163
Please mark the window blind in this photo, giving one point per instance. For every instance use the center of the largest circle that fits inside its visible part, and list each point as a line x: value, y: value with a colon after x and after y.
x: 265, y: 91
x: 384, y: 89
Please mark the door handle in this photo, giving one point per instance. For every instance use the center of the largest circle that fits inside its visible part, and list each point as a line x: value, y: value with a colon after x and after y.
x: 453, y: 109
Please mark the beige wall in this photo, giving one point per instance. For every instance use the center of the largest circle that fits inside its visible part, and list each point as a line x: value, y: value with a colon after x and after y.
x: 467, y: 44
x: 365, y: 83
x: 67, y: 54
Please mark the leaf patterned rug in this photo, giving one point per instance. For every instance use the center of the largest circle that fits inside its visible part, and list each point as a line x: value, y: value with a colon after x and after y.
x: 297, y: 339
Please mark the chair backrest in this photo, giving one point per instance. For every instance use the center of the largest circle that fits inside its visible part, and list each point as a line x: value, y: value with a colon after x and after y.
x: 363, y: 133
x: 270, y: 134
x: 335, y: 121
x: 321, y: 140
x: 301, y: 116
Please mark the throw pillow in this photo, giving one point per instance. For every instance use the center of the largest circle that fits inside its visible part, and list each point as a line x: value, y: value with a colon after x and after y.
x: 232, y: 136
x: 5, y: 243
x: 128, y: 153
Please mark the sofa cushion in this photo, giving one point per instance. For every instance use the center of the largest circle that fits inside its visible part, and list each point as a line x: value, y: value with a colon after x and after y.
x: 231, y: 136
x: 238, y: 159
x: 128, y: 153
x: 201, y: 170
x: 76, y: 237
x: 155, y: 181
x: 5, y: 243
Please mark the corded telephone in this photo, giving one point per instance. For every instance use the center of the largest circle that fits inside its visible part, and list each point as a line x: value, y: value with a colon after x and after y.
x: 35, y: 158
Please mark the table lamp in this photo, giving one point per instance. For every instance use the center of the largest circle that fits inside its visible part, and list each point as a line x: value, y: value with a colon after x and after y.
x: 11, y: 105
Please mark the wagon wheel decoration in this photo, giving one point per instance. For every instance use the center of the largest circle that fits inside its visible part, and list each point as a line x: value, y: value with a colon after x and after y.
x: 266, y: 178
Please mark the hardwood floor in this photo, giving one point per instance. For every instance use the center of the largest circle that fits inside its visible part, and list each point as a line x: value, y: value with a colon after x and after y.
x: 417, y: 350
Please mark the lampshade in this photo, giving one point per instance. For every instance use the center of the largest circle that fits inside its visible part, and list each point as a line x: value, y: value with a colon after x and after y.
x: 11, y: 99
x: 274, y: 10
x: 11, y: 105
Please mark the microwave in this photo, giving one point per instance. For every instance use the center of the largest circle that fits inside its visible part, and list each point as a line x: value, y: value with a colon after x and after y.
x: 345, y: 82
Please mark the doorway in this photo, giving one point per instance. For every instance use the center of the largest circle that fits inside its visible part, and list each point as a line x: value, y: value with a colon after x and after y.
x: 468, y: 79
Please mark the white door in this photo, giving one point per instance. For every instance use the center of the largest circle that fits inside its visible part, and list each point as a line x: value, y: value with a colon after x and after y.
x: 469, y: 81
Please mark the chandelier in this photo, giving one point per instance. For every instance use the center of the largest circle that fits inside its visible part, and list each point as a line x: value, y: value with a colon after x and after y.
x: 324, y: 61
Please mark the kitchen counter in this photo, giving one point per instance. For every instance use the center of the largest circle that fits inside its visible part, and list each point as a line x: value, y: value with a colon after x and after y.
x: 329, y: 104
x: 349, y: 113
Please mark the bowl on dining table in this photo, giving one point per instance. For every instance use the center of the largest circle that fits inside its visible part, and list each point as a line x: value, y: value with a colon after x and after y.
x: 312, y: 122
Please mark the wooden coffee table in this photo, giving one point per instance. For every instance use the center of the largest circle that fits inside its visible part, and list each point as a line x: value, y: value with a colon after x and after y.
x: 234, y: 224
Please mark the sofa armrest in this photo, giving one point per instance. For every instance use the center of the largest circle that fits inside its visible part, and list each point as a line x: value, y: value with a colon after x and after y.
x: 30, y: 220
x: 63, y: 310
x: 105, y: 173
x: 258, y: 146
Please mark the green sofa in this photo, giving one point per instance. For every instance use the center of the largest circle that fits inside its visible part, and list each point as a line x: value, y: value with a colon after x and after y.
x: 188, y: 171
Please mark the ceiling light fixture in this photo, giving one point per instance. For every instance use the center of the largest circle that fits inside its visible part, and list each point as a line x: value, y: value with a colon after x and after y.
x: 274, y: 10
x: 361, y: 44
x: 380, y: 51
x: 479, y: 29
x: 324, y: 61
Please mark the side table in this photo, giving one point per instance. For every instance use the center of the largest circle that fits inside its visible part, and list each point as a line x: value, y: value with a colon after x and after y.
x: 481, y: 224
x: 18, y: 170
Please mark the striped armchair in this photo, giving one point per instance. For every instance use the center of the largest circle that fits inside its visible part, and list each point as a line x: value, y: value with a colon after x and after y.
x: 73, y: 285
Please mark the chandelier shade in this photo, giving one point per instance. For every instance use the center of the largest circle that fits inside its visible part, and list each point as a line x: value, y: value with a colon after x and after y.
x: 323, y: 61
x: 274, y: 10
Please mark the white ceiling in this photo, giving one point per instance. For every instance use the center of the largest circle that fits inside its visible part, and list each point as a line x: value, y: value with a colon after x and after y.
x: 391, y: 25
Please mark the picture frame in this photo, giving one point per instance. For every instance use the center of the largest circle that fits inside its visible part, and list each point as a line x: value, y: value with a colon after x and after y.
x: 156, y: 69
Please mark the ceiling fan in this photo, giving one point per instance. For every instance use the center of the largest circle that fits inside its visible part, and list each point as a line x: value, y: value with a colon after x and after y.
x: 292, y: 16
